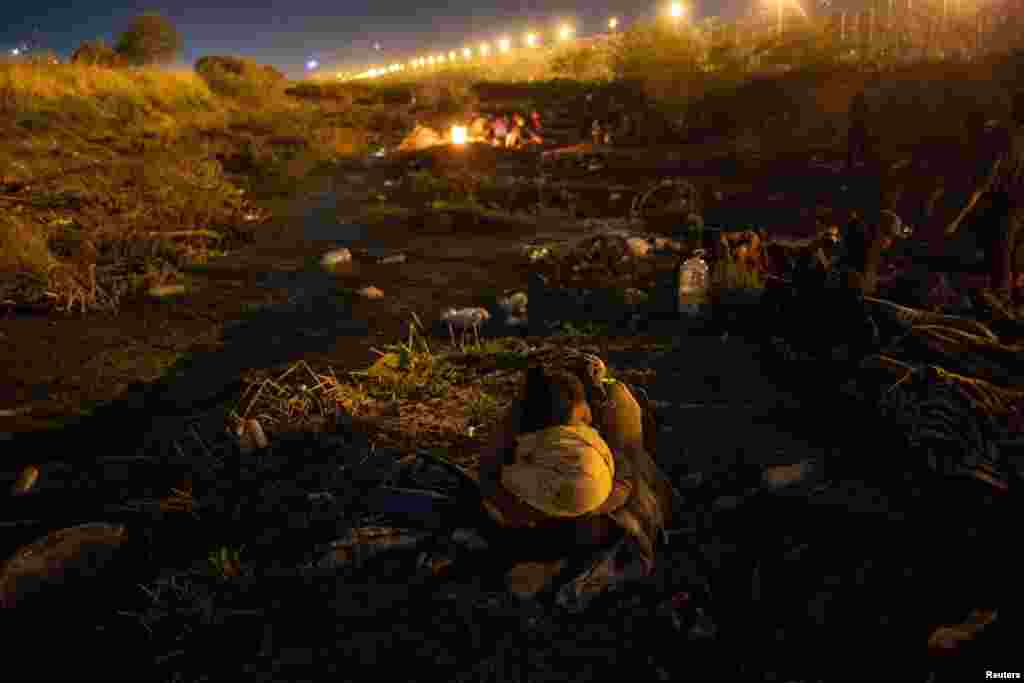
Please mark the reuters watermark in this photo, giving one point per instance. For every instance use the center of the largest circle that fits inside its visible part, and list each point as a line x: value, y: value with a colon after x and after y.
x: 1002, y: 675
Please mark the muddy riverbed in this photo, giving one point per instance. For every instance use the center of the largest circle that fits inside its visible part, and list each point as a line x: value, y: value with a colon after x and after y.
x: 270, y: 304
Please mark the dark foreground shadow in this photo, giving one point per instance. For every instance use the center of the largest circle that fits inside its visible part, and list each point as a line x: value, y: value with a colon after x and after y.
x: 148, y: 416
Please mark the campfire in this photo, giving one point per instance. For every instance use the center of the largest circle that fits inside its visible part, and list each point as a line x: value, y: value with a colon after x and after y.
x: 458, y: 135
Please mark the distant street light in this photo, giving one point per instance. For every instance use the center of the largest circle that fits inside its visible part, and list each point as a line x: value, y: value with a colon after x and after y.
x: 531, y: 39
x: 484, y: 49
x: 312, y: 64
x: 565, y: 33
x: 451, y: 56
x: 15, y: 52
x: 430, y: 60
x: 504, y: 44
x: 613, y: 23
x: 676, y: 11
x: 467, y: 53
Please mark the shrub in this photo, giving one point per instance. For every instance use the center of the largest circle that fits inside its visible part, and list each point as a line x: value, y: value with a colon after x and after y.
x: 582, y: 63
x: 96, y: 53
x: 238, y: 77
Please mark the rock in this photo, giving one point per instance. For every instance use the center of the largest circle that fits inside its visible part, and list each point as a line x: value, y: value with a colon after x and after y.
x: 370, y: 292
x: 667, y: 244
x: 514, y: 305
x: 638, y: 247
x: 62, y: 558
x: 634, y: 297
x: 782, y: 476
x: 161, y: 291
x: 336, y: 257
x: 394, y: 258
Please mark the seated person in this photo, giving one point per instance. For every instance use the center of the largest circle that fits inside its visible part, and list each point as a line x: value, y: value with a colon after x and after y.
x: 514, y: 137
x: 548, y: 468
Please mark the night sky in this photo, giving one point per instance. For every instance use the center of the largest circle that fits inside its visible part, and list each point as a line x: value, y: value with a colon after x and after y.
x: 336, y: 32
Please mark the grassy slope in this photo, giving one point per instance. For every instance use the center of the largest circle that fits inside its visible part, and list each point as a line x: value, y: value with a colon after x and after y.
x: 93, y: 159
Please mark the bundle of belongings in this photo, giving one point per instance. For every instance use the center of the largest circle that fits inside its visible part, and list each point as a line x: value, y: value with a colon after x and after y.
x: 571, y: 468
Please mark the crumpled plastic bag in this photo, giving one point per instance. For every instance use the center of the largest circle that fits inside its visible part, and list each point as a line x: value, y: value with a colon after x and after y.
x: 465, y: 318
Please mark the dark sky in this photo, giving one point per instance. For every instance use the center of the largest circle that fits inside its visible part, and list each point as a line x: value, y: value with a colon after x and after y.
x: 333, y: 31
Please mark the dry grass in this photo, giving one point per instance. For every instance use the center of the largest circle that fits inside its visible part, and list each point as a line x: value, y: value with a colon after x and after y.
x: 118, y: 158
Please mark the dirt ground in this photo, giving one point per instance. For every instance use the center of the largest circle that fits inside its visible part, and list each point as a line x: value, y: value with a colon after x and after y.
x: 722, y: 402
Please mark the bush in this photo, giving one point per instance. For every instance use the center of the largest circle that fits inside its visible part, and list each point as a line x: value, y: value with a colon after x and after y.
x: 150, y: 39
x: 582, y: 63
x: 238, y: 77
x: 96, y: 53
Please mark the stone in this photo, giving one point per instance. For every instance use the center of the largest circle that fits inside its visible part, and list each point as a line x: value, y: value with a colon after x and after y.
x: 336, y: 257
x: 61, y: 558
x: 514, y: 305
x: 162, y: 291
x: 638, y: 247
x: 370, y: 292
x: 634, y: 297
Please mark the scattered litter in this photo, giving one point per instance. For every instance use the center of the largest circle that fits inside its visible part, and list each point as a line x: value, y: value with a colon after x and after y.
x: 161, y: 291
x: 251, y: 436
x: 26, y: 481
x: 536, y: 253
x: 370, y: 292
x: 336, y: 257
x: 363, y: 543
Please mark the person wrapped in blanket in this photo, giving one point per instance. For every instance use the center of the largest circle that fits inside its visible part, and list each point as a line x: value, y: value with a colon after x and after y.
x: 567, y: 467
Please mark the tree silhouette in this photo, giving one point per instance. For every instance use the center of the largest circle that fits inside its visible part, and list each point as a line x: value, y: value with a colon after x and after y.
x: 150, y: 39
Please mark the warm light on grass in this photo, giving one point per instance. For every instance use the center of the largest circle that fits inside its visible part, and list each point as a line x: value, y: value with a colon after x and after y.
x: 458, y: 135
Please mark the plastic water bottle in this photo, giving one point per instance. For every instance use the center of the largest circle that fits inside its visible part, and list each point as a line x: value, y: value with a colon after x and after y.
x: 693, y: 283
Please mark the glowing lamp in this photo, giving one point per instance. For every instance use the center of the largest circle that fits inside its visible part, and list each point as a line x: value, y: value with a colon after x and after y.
x: 458, y: 135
